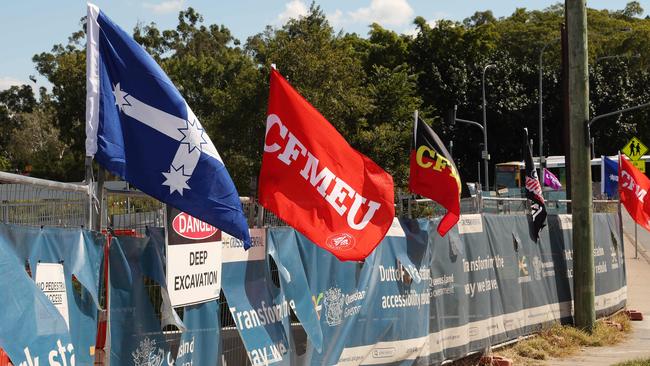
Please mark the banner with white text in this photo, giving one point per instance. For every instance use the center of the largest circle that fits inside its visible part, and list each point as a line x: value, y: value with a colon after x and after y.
x: 421, y: 298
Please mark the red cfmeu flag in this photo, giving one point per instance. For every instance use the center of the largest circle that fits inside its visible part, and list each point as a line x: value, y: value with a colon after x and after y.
x: 313, y: 180
x: 434, y: 175
x: 633, y: 187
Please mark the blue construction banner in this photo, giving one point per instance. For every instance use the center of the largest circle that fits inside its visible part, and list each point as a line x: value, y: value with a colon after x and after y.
x: 200, y: 343
x: 293, y: 280
x: 53, y: 321
x: 421, y: 299
x: 140, y: 310
x: 136, y: 336
x: 259, y: 309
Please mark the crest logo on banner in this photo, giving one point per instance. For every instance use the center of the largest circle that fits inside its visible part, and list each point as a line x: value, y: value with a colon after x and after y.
x: 148, y: 354
x: 333, y: 302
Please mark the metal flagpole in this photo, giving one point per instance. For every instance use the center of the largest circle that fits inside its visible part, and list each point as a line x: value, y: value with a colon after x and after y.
x: 620, y: 210
x: 636, y: 242
x: 602, y: 175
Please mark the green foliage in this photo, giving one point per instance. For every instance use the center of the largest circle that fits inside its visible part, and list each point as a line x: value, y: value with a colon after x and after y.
x: 366, y: 86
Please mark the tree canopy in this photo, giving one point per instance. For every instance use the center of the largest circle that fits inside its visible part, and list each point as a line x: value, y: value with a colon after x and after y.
x: 367, y: 86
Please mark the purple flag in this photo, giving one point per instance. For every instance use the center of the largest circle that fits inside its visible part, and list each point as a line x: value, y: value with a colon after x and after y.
x: 550, y: 180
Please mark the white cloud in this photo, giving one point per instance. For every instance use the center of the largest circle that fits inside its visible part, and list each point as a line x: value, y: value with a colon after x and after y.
x: 336, y: 19
x: 293, y: 9
x: 168, y: 6
x: 7, y: 82
x: 384, y: 12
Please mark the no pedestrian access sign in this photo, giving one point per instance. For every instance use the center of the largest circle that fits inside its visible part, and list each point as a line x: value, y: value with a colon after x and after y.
x: 634, y: 150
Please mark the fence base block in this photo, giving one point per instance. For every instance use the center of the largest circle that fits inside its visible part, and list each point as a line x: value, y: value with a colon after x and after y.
x: 495, y: 361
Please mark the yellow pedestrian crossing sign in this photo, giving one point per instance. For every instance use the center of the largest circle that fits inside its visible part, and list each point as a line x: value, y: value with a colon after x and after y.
x: 639, y: 164
x: 634, y: 149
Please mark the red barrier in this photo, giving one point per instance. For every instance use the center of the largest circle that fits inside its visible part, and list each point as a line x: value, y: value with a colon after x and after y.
x: 634, y: 315
x: 495, y: 361
x: 4, y: 359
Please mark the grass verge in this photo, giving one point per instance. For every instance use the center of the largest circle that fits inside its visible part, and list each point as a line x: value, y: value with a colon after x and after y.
x: 561, y: 341
x: 639, y: 362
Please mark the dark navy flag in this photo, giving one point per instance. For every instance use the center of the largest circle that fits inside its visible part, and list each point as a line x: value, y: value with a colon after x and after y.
x: 534, y: 194
x: 609, y: 177
x: 140, y: 128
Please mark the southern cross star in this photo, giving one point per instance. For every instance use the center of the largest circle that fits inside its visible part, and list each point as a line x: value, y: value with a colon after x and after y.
x: 120, y: 97
x: 176, y: 180
x: 193, y: 135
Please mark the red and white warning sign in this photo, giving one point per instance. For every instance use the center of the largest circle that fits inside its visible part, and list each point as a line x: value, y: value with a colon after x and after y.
x: 193, y: 259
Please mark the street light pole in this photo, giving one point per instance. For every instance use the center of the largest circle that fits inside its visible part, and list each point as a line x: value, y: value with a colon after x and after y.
x: 541, y: 125
x: 453, y: 119
x: 486, y: 156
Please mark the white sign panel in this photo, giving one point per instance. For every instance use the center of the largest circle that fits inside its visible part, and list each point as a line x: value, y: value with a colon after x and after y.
x: 50, y: 278
x: 566, y: 221
x: 233, y: 248
x: 470, y: 224
x: 193, y: 259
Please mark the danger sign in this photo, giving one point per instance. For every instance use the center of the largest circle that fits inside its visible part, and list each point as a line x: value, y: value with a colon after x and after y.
x: 193, y: 259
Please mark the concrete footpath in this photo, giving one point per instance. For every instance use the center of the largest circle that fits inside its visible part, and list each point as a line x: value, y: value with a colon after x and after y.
x: 638, y: 293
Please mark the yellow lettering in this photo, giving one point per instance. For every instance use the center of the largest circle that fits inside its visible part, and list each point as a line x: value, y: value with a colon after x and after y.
x: 441, y: 163
x: 420, y: 153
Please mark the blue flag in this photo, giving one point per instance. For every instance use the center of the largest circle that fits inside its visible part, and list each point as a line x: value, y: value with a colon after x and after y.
x: 140, y: 128
x: 609, y: 177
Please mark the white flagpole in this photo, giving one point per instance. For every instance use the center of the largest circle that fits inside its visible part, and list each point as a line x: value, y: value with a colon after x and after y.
x: 602, y: 175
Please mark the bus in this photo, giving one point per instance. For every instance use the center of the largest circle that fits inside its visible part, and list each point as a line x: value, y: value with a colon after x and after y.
x: 508, y: 175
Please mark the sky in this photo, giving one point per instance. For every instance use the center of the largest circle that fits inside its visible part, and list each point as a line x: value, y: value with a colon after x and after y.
x: 29, y: 27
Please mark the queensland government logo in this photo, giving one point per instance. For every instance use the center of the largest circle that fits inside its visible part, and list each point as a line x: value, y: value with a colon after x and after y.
x: 148, y: 354
x: 333, y: 302
x: 341, y: 241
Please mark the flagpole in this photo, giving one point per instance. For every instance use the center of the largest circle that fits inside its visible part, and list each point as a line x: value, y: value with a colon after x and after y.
x: 415, y: 143
x: 636, y: 242
x: 602, y: 175
x: 620, y: 210
x: 415, y: 127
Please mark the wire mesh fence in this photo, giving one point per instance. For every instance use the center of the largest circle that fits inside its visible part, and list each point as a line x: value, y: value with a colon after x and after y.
x: 31, y: 205
x: 34, y: 202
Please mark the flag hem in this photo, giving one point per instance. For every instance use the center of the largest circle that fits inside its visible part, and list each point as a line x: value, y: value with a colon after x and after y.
x: 92, y: 79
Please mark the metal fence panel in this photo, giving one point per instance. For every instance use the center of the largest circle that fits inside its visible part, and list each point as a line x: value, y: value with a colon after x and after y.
x: 35, y: 202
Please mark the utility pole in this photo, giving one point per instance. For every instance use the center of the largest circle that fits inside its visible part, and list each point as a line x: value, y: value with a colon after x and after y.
x: 565, y: 112
x: 485, y: 155
x: 583, y: 243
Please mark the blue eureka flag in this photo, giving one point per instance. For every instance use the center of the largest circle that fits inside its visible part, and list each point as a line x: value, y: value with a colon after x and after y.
x: 609, y: 177
x: 140, y: 128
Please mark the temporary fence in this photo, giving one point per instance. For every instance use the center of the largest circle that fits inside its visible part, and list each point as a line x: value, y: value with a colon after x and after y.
x: 39, y: 202
x: 36, y: 202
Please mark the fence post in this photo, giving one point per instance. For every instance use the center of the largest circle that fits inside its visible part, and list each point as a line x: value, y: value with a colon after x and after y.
x: 89, y: 183
x: 99, y: 192
x: 260, y: 214
x: 620, y: 220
